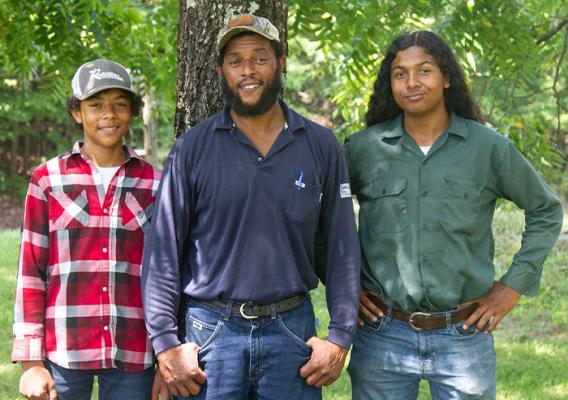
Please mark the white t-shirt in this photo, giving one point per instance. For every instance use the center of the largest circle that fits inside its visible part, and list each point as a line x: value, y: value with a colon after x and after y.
x: 425, y: 149
x: 106, y: 174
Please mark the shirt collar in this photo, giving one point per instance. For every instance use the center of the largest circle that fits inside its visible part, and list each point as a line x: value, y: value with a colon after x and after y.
x: 394, y: 129
x: 457, y: 127
x: 293, y: 119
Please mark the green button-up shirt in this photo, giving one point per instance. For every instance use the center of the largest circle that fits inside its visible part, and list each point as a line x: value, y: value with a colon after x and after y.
x: 425, y: 221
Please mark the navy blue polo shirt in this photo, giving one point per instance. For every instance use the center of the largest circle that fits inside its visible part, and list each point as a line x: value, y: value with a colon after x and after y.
x: 232, y: 224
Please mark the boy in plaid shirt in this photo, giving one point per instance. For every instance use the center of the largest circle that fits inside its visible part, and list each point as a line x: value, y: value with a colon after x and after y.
x: 78, y: 309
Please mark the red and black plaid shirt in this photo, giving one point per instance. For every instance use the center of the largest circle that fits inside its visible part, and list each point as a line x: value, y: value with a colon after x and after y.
x: 78, y: 299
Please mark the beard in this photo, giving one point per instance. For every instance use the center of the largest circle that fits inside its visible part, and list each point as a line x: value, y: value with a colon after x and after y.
x: 265, y: 103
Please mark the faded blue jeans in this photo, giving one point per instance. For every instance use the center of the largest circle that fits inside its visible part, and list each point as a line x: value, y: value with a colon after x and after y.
x: 252, y: 358
x: 389, y: 359
x: 114, y: 384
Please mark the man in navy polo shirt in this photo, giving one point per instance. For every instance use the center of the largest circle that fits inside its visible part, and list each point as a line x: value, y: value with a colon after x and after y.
x: 241, y: 199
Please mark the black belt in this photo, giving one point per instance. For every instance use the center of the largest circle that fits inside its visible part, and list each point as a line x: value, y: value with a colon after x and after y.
x: 250, y: 310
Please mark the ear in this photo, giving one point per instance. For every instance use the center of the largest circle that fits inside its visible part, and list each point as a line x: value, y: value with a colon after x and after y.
x: 282, y: 63
x: 446, y: 82
x: 76, y: 113
x: 219, y: 71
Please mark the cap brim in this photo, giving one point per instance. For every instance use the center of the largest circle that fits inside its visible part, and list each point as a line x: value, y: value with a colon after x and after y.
x: 235, y: 31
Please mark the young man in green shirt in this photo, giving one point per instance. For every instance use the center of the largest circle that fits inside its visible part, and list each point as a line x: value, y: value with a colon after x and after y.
x: 427, y: 176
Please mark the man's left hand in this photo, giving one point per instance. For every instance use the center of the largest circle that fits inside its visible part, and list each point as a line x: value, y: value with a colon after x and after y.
x: 159, y: 387
x: 493, y: 307
x: 326, y: 363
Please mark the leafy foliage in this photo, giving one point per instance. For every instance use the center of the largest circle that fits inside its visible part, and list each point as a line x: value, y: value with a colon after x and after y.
x: 515, y: 69
x: 43, y: 43
x: 513, y: 53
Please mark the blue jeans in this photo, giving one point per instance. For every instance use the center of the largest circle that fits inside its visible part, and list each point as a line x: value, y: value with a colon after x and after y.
x: 389, y: 359
x: 114, y: 384
x: 252, y: 358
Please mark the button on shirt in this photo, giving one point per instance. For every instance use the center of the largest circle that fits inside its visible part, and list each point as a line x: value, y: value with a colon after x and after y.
x: 425, y: 221
x: 242, y: 226
x: 78, y: 299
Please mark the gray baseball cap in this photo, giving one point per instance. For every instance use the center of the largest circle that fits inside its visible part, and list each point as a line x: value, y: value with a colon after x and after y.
x: 246, y: 23
x: 98, y: 75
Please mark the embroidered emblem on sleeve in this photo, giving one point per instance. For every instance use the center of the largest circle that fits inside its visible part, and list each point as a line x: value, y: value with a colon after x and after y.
x: 344, y: 190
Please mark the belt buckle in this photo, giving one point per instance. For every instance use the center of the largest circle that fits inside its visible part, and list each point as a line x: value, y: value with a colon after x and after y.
x: 242, y: 311
x: 417, y: 314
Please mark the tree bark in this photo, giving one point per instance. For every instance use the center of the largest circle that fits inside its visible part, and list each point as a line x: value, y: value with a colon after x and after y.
x: 198, y: 89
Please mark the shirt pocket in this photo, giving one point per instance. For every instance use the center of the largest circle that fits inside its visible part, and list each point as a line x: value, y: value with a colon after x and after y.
x: 303, y: 202
x: 134, y: 216
x: 384, y: 206
x: 461, y: 203
x: 68, y: 210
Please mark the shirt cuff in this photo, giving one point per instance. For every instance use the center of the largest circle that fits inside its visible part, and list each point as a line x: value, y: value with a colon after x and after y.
x: 341, y: 338
x: 164, y: 342
x: 28, y: 349
x: 525, y: 284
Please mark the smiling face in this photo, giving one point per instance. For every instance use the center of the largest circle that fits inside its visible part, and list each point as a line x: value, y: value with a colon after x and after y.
x: 418, y: 83
x: 251, y: 75
x: 106, y: 118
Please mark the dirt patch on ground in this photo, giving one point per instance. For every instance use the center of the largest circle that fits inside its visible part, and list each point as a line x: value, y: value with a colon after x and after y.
x: 11, y: 211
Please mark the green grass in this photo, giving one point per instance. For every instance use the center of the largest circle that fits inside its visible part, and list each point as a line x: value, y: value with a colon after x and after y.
x: 531, y: 343
x: 9, y: 373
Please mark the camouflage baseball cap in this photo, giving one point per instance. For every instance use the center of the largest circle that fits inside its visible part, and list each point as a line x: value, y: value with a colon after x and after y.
x: 247, y: 23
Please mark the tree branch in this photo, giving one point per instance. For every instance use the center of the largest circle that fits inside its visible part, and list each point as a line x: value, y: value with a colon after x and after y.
x: 548, y: 35
x: 560, y: 138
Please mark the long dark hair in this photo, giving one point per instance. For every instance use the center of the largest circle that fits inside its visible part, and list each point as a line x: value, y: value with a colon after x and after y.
x: 457, y: 97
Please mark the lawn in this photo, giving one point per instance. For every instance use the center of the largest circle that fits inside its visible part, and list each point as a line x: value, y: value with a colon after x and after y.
x: 531, y: 344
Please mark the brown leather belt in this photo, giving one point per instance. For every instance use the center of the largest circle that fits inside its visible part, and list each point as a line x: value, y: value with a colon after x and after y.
x: 420, y: 321
x: 250, y: 310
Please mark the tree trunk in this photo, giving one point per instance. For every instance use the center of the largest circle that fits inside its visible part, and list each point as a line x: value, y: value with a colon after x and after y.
x: 150, y: 130
x: 198, y: 89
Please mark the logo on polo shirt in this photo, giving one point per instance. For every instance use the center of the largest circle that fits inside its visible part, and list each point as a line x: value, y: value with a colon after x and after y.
x: 300, y: 181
